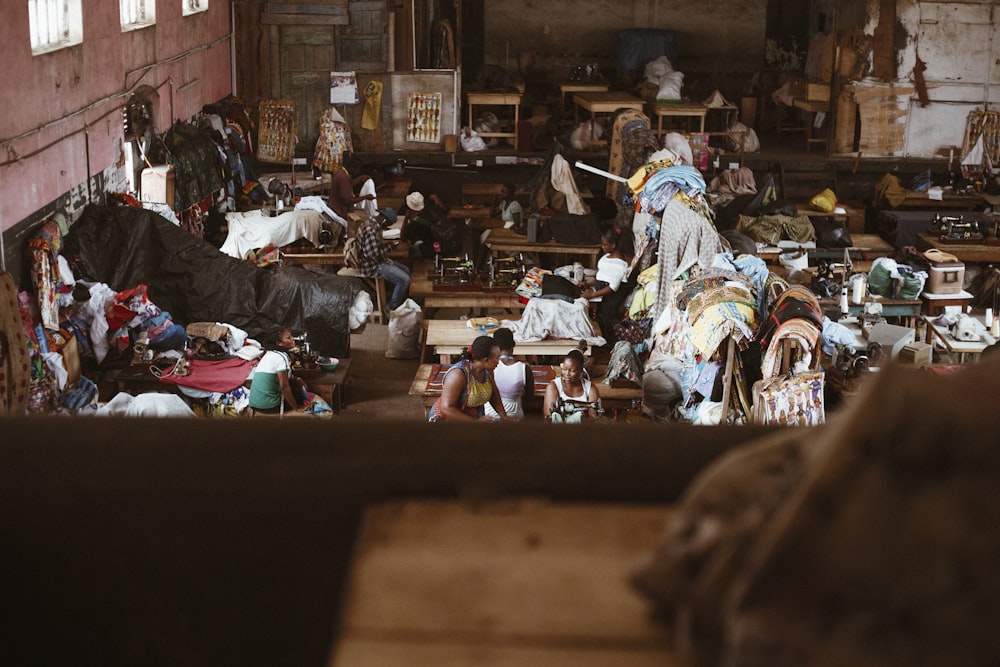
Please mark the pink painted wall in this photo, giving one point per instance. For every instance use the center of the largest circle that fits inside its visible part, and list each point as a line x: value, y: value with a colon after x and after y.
x: 75, y: 95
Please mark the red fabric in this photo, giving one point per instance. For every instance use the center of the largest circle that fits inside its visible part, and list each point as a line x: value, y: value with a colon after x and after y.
x: 221, y: 376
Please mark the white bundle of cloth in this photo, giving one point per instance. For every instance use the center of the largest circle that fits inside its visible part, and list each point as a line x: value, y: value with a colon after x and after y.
x: 554, y: 318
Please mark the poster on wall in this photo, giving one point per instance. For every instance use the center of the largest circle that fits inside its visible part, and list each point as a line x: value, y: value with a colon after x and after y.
x: 344, y: 88
x: 276, y: 134
x: 423, y: 118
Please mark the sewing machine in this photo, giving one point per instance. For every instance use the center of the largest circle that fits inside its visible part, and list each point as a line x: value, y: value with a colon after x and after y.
x: 301, y: 355
x: 957, y: 229
x: 572, y: 411
x: 503, y: 273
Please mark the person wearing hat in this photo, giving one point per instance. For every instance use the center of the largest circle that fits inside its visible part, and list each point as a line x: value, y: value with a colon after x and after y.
x: 418, y: 225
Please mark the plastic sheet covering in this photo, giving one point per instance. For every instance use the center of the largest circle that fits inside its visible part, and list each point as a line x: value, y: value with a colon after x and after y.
x: 124, y: 246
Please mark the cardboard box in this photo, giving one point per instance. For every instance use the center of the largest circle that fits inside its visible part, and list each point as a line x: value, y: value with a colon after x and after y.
x: 917, y: 353
x: 157, y: 184
x: 892, y: 338
x: 946, y: 278
x: 819, y: 92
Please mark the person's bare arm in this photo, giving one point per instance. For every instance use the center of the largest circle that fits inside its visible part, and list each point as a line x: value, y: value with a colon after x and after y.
x: 286, y: 391
x: 593, y: 397
x: 551, y: 394
x: 496, y: 400
x: 451, y: 396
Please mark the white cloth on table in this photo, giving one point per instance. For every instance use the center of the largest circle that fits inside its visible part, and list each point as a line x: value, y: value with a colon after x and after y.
x: 252, y: 230
x: 317, y: 203
x: 554, y: 318
x: 146, y: 405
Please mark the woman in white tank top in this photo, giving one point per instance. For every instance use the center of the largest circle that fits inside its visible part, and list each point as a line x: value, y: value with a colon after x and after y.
x: 513, y: 378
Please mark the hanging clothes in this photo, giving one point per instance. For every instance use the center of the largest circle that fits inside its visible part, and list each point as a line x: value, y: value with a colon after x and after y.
x: 43, y: 249
x: 334, y: 140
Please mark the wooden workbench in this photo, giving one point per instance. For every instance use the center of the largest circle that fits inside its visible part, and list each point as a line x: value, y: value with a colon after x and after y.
x: 513, y: 582
x: 606, y: 103
x: 508, y: 241
x: 612, y: 397
x: 450, y: 337
x: 964, y: 252
x: 422, y: 291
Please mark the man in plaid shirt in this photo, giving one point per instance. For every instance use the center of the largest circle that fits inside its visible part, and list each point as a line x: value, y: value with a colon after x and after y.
x: 374, y: 260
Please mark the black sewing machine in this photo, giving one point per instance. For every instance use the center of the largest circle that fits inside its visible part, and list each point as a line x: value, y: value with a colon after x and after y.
x: 503, y: 273
x: 956, y: 229
x: 567, y: 408
x: 452, y: 272
x: 301, y: 355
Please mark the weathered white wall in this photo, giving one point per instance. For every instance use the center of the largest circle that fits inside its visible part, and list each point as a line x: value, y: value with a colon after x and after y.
x: 959, y: 43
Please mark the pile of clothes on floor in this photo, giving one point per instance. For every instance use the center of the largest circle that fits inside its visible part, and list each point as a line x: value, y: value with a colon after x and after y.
x: 127, y: 289
x: 719, y: 337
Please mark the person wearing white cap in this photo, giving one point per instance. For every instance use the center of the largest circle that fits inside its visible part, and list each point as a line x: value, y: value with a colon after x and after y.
x: 421, y: 216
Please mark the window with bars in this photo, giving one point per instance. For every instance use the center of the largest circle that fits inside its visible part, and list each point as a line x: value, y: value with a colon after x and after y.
x: 193, y: 6
x: 54, y: 24
x: 137, y: 14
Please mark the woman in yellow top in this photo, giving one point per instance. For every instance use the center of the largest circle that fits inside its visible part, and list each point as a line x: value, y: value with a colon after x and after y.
x: 469, y: 386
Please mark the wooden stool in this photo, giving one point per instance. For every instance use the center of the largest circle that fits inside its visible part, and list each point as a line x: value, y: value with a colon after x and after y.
x: 376, y: 284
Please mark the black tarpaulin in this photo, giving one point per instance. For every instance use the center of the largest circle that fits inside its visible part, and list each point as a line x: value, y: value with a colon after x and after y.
x: 123, y: 246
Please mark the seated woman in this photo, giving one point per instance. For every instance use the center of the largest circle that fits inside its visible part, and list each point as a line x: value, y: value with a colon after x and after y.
x: 574, y: 385
x: 273, y: 387
x: 610, y: 284
x: 513, y: 378
x: 469, y: 386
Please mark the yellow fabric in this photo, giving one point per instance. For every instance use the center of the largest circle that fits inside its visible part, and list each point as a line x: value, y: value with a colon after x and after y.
x: 825, y: 201
x: 477, y: 393
x: 642, y: 299
x: 373, y: 105
x: 889, y: 189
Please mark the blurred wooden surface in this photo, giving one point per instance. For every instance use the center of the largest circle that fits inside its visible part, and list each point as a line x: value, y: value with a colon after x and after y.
x: 516, y: 582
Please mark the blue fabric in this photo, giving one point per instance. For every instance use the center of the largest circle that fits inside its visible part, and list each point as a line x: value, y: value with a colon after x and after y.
x: 835, y: 333
x: 661, y: 187
x: 399, y: 277
x: 173, y: 337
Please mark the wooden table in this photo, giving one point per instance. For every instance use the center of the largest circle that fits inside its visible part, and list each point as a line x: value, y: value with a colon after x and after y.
x: 580, y: 87
x: 496, y: 99
x: 518, y: 581
x: 508, y: 241
x: 909, y: 309
x: 331, y: 385
x: 612, y: 398
x: 682, y: 110
x: 400, y: 253
x: 812, y: 108
x: 422, y: 290
x: 392, y: 193
x: 964, y: 252
x: 604, y: 103
x: 967, y: 351
x: 935, y: 304
x: 864, y: 247
x: 949, y: 200
x: 450, y: 338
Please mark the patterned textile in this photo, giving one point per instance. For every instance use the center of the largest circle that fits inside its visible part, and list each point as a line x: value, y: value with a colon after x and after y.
x: 475, y: 395
x: 795, y: 400
x: 334, y: 140
x: 43, y: 248
x: 624, y: 364
x: 803, y: 332
x: 541, y: 376
x: 687, y: 239
x: 552, y: 318
x: 198, y: 165
x: 372, y: 252
x: 15, y: 370
x: 770, y: 229
x: 627, y: 122
x: 720, y: 321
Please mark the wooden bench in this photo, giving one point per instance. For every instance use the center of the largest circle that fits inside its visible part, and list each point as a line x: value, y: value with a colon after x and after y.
x: 617, y: 399
x: 506, y: 582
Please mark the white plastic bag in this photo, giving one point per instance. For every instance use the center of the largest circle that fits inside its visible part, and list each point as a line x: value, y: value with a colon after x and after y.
x: 580, y: 138
x: 471, y: 141
x: 404, y: 331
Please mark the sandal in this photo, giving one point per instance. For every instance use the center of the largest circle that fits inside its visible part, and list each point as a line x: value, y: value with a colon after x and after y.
x: 938, y: 256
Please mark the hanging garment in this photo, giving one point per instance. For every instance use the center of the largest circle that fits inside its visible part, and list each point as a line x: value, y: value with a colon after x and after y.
x: 44, y: 250
x: 334, y: 140
x: 373, y: 105
x: 15, y: 374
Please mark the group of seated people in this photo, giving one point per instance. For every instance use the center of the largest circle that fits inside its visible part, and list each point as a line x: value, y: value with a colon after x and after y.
x: 489, y: 383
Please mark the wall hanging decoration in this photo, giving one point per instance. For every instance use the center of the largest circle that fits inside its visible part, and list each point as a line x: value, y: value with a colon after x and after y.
x: 276, y: 137
x: 423, y: 118
x: 344, y: 88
